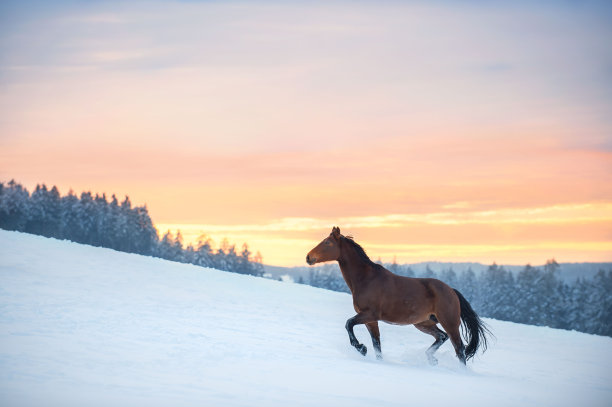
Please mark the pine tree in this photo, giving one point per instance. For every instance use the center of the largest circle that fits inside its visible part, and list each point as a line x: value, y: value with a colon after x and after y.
x: 189, y: 254
x: 14, y: 206
x: 563, y: 293
x: 244, y: 260
x: 467, y: 285
x: 145, y: 233
x: 165, y: 248
x: 204, y: 253
x: 406, y: 271
x: 37, y: 216
x: 528, y: 302
x: 394, y: 267
x: 449, y: 277
x: 100, y: 236
x: 429, y: 273
x: 602, y: 303
x: 177, y: 248
x: 258, y: 268
x: 87, y: 218
x: 231, y: 259
x: 70, y: 227
x: 53, y: 211
x: 550, y: 303
x: 488, y: 282
x: 220, y: 258
x: 506, y: 289
x: 577, y: 314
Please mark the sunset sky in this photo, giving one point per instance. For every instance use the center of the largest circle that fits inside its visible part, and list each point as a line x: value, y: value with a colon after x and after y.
x: 435, y: 130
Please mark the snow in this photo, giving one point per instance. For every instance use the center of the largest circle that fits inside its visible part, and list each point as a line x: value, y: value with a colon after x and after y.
x: 85, y: 326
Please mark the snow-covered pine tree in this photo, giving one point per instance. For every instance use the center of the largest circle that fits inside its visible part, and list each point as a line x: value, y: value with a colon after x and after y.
x: 449, y: 277
x: 37, y: 215
x: 528, y: 301
x: 204, y: 253
x: 145, y: 233
x: 165, y: 247
x: 428, y: 273
x: 550, y: 301
x: 14, y: 206
x: 468, y: 286
x: 601, y: 303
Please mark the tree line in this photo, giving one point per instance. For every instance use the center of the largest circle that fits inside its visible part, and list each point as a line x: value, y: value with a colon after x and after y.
x: 534, y: 295
x: 98, y: 221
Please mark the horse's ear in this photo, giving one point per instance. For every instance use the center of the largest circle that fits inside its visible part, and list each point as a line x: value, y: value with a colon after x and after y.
x: 336, y: 232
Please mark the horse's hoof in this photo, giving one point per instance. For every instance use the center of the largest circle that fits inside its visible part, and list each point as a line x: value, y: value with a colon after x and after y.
x: 362, y: 349
x: 432, y: 361
x: 379, y: 356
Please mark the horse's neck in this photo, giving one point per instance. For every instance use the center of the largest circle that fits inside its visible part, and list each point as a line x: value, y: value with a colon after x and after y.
x: 353, y: 268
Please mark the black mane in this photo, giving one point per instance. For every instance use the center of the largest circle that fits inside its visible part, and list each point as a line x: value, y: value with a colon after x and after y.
x: 358, y: 249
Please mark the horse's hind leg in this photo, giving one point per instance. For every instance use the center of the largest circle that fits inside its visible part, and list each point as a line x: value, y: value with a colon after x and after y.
x: 451, y: 326
x: 455, y: 338
x: 375, y: 334
x: 429, y: 327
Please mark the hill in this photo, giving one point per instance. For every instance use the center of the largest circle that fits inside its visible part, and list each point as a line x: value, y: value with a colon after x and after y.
x: 85, y: 326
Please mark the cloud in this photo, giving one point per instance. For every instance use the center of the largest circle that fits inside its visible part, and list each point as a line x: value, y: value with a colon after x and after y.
x: 96, y: 18
x: 586, y: 212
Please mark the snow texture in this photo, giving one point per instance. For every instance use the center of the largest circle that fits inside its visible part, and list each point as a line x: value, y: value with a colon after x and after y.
x: 85, y: 326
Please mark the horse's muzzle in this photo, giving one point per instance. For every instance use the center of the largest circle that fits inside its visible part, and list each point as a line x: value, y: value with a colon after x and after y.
x: 310, y: 260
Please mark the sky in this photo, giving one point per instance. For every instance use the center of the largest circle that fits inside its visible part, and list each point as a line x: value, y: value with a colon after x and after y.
x: 430, y: 131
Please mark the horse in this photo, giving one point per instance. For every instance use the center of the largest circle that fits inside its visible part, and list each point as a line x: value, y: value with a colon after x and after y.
x: 380, y: 295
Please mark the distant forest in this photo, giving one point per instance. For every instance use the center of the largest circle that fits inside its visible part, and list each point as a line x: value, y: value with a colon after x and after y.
x: 98, y: 221
x: 534, y: 295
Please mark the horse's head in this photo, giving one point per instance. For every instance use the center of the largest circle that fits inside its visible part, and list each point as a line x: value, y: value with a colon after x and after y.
x: 327, y: 250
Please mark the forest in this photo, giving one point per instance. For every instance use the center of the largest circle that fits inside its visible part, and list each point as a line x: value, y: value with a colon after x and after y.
x: 95, y: 220
x: 534, y: 295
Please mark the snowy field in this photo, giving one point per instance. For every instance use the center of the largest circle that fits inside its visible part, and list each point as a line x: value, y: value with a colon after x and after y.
x: 84, y: 326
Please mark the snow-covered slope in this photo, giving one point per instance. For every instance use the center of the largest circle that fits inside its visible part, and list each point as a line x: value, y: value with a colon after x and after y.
x: 84, y: 326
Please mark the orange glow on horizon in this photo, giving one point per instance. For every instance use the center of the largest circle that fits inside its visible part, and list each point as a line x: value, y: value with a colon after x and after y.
x: 572, y: 233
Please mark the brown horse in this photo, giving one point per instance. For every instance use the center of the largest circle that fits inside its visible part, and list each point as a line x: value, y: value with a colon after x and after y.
x: 379, y: 295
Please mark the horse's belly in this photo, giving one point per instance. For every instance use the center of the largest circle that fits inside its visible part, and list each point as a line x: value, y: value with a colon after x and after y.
x: 394, y: 323
x: 405, y: 313
x: 405, y: 321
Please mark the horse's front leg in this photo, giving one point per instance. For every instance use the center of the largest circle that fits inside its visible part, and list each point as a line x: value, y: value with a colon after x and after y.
x: 361, y: 318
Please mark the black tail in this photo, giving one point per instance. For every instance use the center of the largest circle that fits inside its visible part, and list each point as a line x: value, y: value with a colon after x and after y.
x: 473, y: 329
